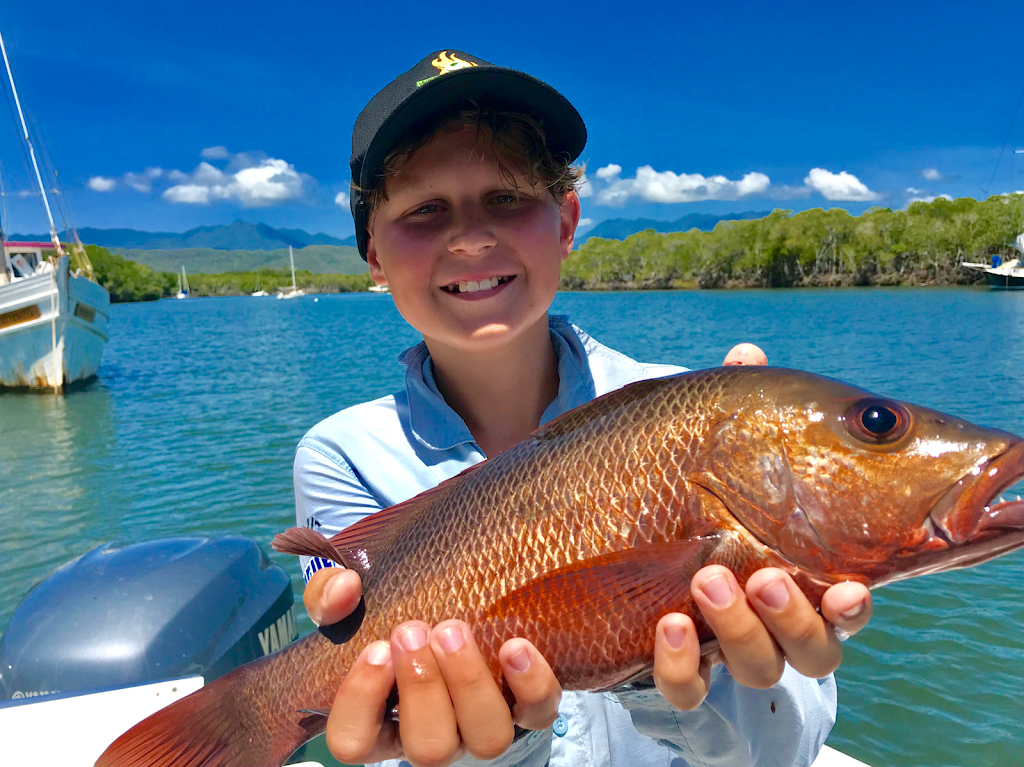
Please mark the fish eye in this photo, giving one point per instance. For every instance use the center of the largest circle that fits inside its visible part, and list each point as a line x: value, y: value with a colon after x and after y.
x: 878, y: 421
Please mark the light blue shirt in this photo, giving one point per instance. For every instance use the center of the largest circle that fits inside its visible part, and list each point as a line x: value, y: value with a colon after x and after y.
x: 379, y: 453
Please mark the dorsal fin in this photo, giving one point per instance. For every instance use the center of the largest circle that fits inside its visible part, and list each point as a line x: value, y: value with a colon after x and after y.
x: 368, y: 535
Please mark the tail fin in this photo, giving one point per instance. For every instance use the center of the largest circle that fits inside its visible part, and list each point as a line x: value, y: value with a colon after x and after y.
x: 243, y: 718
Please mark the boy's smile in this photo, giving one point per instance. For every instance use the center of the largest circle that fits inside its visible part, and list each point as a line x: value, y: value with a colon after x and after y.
x: 472, y: 252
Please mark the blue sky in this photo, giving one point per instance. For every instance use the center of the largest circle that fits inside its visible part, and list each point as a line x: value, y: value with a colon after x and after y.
x: 711, y: 107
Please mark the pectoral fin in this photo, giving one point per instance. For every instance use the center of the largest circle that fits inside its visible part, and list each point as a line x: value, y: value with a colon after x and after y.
x: 594, y: 620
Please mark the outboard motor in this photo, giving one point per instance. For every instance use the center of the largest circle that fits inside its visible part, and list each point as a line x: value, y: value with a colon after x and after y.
x: 163, y: 609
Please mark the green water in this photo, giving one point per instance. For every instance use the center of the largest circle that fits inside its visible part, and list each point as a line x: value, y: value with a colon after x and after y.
x: 192, y: 423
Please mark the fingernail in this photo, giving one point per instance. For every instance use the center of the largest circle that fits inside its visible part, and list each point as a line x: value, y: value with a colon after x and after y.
x: 718, y: 590
x: 775, y: 595
x: 451, y: 639
x: 331, y: 587
x: 520, y: 661
x: 854, y: 612
x: 378, y: 654
x: 675, y: 636
x: 413, y: 638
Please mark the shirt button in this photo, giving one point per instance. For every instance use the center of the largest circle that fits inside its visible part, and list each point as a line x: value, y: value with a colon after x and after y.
x: 561, y: 726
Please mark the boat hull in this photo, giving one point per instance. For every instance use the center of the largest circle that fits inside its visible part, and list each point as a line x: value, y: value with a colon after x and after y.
x: 52, y: 330
x: 1004, y: 280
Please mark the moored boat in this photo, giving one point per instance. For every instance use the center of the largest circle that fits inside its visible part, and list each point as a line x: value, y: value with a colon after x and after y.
x: 1000, y: 273
x: 291, y: 291
x: 52, y: 319
x: 183, y: 289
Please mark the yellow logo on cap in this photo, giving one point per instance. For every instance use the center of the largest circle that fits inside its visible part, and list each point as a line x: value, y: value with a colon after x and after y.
x: 447, y: 63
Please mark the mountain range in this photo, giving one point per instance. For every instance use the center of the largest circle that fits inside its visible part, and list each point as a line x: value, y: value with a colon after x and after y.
x: 621, y: 228
x: 318, y: 259
x: 241, y: 235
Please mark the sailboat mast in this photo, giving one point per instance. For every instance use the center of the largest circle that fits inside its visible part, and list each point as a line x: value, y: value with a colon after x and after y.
x: 31, y: 152
x: 291, y: 258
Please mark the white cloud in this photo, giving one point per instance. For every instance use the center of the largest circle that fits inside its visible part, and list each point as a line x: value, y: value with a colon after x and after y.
x: 143, y: 182
x: 101, y: 184
x: 585, y: 222
x: 838, y: 186
x: 341, y: 199
x: 929, y: 198
x: 215, y: 153
x: 586, y: 189
x: 911, y: 190
x: 251, y: 179
x: 666, y: 186
x: 931, y: 174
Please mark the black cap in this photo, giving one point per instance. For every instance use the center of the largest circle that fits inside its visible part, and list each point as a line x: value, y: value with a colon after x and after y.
x: 442, y: 81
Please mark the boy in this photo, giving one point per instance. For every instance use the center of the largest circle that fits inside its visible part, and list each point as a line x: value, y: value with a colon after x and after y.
x: 464, y: 200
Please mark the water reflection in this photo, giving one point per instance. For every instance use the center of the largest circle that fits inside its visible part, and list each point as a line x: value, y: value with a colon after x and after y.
x: 56, y: 500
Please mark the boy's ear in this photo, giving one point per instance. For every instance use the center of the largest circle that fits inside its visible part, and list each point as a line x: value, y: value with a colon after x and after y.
x: 376, y: 272
x: 570, y: 217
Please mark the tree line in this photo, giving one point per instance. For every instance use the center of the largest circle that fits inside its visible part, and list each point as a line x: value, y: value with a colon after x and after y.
x: 128, y: 281
x: 923, y: 245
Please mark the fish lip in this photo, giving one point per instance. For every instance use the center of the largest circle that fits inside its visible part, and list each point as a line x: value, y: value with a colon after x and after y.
x: 965, y: 511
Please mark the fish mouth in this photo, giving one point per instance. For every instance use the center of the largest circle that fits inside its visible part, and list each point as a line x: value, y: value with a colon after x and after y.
x: 965, y: 527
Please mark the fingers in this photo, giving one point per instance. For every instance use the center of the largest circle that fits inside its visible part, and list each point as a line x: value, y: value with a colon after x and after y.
x: 331, y: 594
x: 532, y: 682
x: 680, y: 674
x: 747, y: 649
x: 808, y: 642
x: 427, y: 722
x: 356, y: 730
x: 847, y: 606
x: 484, y: 720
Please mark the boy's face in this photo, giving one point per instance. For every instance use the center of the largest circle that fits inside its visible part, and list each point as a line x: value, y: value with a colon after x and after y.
x: 451, y: 221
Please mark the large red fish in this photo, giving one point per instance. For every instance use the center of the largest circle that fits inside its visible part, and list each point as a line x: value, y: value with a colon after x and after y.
x: 581, y: 537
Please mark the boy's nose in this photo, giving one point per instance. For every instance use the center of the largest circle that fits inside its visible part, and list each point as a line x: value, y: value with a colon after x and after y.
x: 471, y: 236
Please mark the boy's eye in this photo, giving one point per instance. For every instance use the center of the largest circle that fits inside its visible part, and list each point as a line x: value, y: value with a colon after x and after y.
x: 426, y: 209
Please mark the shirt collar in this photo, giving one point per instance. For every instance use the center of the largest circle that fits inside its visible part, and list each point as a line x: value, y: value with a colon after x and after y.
x: 435, y: 425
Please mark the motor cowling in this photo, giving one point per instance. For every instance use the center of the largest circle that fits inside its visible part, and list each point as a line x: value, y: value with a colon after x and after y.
x: 163, y: 609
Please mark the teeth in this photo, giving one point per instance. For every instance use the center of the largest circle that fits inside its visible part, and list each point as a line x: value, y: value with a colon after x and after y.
x: 472, y: 286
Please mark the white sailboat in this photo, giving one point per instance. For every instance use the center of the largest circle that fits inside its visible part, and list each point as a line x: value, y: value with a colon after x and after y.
x: 259, y: 292
x: 183, y: 290
x: 293, y: 291
x: 52, y: 318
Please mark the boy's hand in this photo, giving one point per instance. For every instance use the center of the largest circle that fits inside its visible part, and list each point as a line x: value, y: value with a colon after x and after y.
x: 450, y: 703
x: 759, y: 628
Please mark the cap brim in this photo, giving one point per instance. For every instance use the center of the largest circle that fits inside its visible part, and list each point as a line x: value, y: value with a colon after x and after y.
x: 565, y: 129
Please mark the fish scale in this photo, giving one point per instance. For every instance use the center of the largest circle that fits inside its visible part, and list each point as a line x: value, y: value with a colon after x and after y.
x: 582, y: 536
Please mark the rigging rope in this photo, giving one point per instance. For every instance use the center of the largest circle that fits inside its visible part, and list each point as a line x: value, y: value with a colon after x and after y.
x: 1005, y: 142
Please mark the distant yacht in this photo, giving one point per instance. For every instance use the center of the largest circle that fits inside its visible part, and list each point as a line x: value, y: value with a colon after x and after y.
x: 293, y: 291
x: 52, y: 318
x: 259, y: 292
x: 183, y: 291
x: 379, y: 289
x: 1003, y: 274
